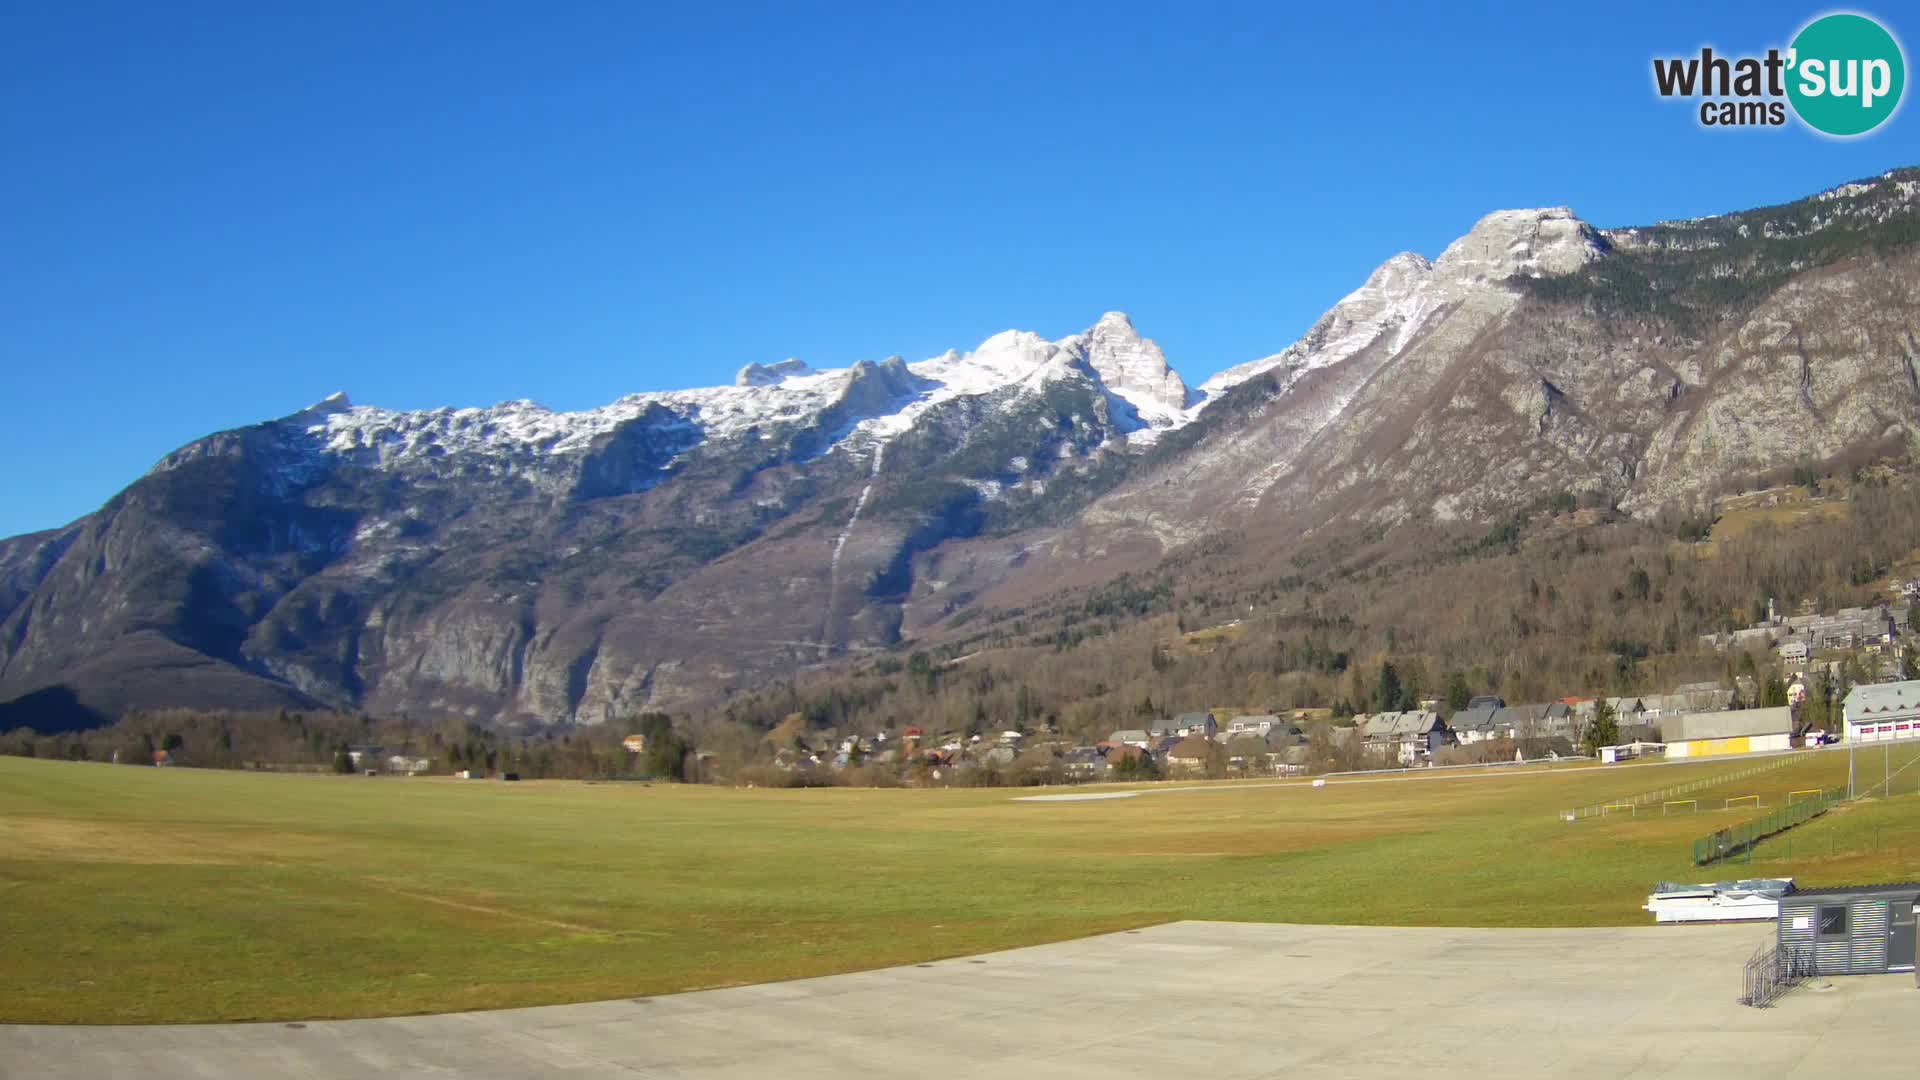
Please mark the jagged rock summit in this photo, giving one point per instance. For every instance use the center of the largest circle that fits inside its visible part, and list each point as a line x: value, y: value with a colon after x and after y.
x: 516, y: 564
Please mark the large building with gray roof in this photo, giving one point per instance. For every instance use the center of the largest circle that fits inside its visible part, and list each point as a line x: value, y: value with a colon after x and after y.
x: 1882, y: 712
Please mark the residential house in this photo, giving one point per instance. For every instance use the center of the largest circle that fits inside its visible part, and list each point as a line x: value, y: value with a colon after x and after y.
x: 1130, y: 737
x: 408, y: 766
x: 1409, y: 737
x: 1737, y: 731
x: 1540, y: 727
x: 1279, y: 738
x: 1559, y: 721
x: 1294, y: 759
x: 1627, y: 710
x: 1796, y: 651
x: 1517, y: 722
x: 1122, y: 753
x: 1550, y: 721
x: 1248, y: 753
x: 1490, y: 701
x: 1189, y: 755
x: 1186, y: 723
x: 635, y: 744
x: 1258, y: 724
x: 1474, y: 724
x: 1882, y: 711
x: 1082, y: 763
x: 1844, y: 629
x: 1682, y: 700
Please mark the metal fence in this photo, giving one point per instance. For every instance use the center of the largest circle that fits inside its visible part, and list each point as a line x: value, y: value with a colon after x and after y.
x: 1742, y: 837
x: 1773, y: 971
x: 1601, y: 809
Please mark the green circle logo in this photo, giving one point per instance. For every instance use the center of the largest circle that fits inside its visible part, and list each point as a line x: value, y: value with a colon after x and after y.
x: 1846, y: 74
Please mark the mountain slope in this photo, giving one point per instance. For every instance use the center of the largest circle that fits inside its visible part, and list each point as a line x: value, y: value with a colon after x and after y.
x: 518, y: 564
x: 514, y: 562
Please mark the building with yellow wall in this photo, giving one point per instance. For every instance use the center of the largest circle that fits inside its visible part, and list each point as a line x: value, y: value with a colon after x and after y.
x: 1735, y: 731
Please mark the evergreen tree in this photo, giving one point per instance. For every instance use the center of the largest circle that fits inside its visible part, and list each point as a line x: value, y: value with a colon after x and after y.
x: 1774, y: 693
x: 1387, y: 695
x: 1603, y: 729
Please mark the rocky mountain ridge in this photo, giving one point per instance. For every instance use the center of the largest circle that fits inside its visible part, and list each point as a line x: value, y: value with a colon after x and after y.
x: 519, y: 564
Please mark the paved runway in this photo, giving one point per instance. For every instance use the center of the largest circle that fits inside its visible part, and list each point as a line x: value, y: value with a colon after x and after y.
x: 1189, y: 999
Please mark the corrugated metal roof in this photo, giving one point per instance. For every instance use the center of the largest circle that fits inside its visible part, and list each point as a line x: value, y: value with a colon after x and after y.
x: 1896, y: 888
x: 1878, y: 698
x: 1731, y: 724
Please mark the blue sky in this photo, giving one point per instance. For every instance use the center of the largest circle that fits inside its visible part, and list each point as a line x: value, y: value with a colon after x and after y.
x: 212, y: 214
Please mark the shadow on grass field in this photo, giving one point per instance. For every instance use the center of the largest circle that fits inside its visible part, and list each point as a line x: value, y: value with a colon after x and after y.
x: 150, y: 895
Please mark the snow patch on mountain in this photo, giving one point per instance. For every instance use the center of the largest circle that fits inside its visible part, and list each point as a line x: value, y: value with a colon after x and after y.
x: 764, y: 395
x: 1147, y: 397
x: 1133, y: 369
x: 1405, y: 292
x: 770, y: 374
x: 1391, y: 298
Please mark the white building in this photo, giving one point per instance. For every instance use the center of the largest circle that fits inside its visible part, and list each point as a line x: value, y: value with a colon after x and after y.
x: 1882, y: 712
x: 1737, y: 731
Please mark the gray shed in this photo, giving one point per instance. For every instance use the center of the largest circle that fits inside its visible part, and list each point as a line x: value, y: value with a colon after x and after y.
x: 1850, y: 930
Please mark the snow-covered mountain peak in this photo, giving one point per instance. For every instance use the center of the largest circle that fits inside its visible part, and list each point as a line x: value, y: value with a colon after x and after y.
x: 1403, y: 293
x: 1008, y: 358
x: 770, y: 374
x: 1396, y: 296
x: 880, y: 400
x: 1531, y: 243
x: 1398, y: 274
x: 1133, y: 369
x: 332, y: 403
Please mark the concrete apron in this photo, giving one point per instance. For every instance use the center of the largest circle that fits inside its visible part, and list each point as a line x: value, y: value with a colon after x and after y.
x: 1189, y: 999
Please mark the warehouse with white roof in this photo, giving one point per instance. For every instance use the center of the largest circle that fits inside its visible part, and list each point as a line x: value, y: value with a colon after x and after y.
x: 1882, y: 712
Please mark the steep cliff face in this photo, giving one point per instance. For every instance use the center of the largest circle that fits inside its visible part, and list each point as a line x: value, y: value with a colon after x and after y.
x: 514, y: 563
x: 517, y: 563
x: 1646, y: 367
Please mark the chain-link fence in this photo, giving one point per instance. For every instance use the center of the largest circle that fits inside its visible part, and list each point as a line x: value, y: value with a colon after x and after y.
x: 1741, y: 838
x: 1632, y: 802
